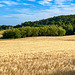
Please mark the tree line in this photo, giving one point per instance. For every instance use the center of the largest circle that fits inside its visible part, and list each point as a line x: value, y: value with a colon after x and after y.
x: 4, y: 27
x: 34, y: 31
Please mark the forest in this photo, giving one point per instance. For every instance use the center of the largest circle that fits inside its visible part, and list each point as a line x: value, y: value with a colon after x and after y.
x: 65, y: 22
x: 34, y: 31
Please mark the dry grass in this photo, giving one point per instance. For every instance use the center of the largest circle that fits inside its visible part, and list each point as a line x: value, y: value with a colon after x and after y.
x: 1, y: 32
x: 38, y: 56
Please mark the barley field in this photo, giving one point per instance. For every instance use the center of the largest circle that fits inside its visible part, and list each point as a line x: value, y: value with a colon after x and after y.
x: 38, y: 56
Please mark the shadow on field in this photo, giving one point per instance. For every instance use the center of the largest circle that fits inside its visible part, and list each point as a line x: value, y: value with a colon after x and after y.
x: 65, y: 73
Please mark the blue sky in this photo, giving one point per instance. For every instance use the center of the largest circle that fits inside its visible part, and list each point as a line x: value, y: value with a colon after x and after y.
x: 13, y: 12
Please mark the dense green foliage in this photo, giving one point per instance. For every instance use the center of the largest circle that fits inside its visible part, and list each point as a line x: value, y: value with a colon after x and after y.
x: 61, y: 31
x: 69, y: 29
x: 13, y: 33
x: 34, y: 31
x: 67, y: 22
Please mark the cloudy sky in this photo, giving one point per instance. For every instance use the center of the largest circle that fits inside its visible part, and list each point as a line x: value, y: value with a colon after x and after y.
x: 13, y: 12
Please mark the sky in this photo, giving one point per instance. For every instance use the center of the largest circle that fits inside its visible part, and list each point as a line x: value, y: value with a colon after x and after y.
x: 13, y: 12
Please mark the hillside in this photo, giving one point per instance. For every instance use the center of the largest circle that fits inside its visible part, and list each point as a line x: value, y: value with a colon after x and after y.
x: 58, y: 20
x: 67, y: 22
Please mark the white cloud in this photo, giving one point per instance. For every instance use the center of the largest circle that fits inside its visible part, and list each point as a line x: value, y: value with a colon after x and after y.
x: 9, y: 2
x: 25, y: 4
x: 42, y: 14
x: 13, y: 3
x: 1, y: 5
x: 31, y: 15
x: 44, y: 2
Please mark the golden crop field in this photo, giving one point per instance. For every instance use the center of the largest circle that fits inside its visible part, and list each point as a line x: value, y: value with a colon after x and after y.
x: 38, y: 56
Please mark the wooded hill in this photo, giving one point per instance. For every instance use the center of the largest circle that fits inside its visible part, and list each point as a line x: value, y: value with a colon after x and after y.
x: 58, y: 20
x: 67, y: 22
